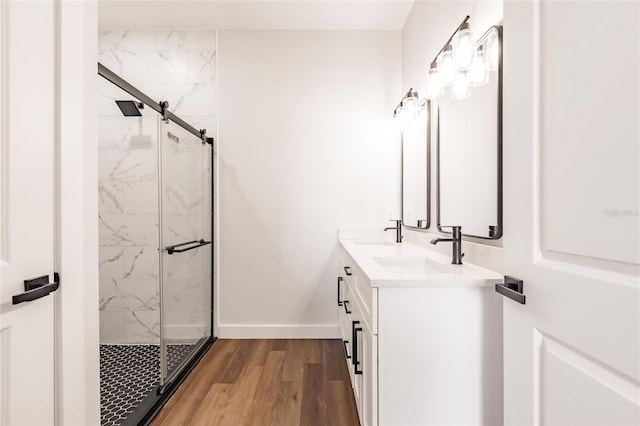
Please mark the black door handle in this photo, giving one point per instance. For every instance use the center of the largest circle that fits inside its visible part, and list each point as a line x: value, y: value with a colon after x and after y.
x: 354, y: 348
x: 339, y: 281
x: 346, y: 270
x: 37, y: 288
x: 512, y: 288
x: 355, y: 353
x: 346, y: 310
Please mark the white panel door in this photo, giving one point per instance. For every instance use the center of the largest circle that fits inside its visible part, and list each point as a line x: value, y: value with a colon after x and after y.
x: 571, y: 157
x: 26, y: 211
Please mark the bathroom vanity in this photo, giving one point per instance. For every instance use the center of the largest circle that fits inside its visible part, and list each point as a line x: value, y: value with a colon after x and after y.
x: 422, y: 337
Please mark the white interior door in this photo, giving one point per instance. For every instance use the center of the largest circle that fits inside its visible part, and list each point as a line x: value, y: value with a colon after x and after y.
x: 571, y: 156
x: 26, y: 210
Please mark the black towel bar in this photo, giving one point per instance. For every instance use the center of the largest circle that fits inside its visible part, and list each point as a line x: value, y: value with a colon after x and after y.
x: 198, y: 243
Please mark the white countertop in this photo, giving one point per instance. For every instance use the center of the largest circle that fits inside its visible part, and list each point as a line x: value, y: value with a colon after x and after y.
x: 404, y: 263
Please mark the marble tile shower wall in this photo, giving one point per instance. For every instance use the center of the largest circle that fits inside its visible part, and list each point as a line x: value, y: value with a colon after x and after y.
x: 178, y: 66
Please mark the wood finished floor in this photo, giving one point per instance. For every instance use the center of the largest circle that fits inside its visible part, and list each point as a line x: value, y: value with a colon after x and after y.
x: 265, y: 382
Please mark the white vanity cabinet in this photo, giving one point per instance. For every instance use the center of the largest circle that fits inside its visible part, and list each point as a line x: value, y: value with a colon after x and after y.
x: 423, y: 354
x: 359, y: 341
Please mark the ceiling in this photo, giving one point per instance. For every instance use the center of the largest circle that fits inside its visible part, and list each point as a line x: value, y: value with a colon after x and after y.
x: 373, y: 15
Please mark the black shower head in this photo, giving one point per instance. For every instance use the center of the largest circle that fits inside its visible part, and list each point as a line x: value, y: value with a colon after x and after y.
x: 130, y: 108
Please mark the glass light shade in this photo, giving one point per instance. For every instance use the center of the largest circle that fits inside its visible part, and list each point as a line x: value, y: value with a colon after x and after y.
x: 409, y: 107
x: 463, y: 49
x: 460, y: 86
x: 434, y: 84
x: 402, y: 117
x: 478, y: 73
x: 447, y: 66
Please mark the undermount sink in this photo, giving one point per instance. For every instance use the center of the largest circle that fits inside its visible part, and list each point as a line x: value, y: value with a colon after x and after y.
x: 374, y: 243
x: 413, y: 265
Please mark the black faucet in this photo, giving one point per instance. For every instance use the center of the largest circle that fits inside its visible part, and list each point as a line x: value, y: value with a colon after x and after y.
x: 398, y: 229
x: 457, y: 243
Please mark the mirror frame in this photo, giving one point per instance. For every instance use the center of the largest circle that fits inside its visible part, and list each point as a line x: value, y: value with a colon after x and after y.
x: 428, y: 173
x: 499, y: 227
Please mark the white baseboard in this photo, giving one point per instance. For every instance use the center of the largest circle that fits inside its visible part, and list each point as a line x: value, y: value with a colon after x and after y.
x: 278, y: 331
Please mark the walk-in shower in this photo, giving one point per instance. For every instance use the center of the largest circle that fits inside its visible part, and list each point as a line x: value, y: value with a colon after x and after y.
x: 156, y: 250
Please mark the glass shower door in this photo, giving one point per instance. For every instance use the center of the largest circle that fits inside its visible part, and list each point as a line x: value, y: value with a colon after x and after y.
x: 185, y: 171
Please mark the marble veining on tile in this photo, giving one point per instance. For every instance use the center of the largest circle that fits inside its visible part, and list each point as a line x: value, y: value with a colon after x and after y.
x: 155, y: 66
x: 140, y: 262
x: 140, y: 294
x: 202, y: 66
x: 143, y: 326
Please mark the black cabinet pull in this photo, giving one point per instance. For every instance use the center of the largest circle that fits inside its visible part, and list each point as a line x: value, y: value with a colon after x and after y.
x: 512, y: 288
x: 346, y: 303
x: 354, y: 348
x: 346, y: 352
x: 198, y: 243
x: 356, y: 364
x: 339, y: 281
x: 347, y: 270
x: 37, y: 288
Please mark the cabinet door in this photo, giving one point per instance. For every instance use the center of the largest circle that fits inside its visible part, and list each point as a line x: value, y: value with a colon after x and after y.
x: 342, y: 308
x: 368, y: 359
x: 345, y: 327
x: 347, y: 317
x: 365, y: 367
x: 356, y: 326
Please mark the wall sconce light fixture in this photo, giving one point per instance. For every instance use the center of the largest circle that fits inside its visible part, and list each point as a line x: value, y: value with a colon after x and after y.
x: 407, y: 109
x: 461, y: 63
x: 446, y: 66
x: 434, y: 83
x: 463, y: 46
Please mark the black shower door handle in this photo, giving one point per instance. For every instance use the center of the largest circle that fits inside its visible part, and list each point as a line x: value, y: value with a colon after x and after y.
x: 174, y: 248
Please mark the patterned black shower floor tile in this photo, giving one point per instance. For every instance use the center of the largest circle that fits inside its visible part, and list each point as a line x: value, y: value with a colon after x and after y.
x: 128, y: 373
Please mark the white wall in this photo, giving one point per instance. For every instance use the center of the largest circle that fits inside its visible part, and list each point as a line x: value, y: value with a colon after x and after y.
x: 428, y: 26
x: 305, y: 146
x: 78, y: 362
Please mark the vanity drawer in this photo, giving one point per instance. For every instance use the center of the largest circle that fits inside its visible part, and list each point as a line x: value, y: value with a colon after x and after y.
x: 344, y: 313
x: 363, y: 293
x: 346, y: 318
x: 366, y: 297
x: 346, y: 268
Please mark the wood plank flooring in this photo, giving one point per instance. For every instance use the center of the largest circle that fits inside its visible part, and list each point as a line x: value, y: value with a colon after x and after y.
x: 265, y: 382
